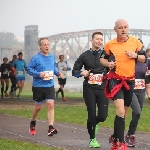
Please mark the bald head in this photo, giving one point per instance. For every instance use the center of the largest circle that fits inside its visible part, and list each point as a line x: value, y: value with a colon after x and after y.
x: 121, y: 28
x: 120, y: 21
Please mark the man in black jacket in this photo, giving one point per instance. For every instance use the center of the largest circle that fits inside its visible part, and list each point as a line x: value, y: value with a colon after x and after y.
x: 93, y: 85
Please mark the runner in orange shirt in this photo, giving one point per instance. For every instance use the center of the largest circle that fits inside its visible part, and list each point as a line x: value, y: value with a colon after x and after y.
x: 120, y: 55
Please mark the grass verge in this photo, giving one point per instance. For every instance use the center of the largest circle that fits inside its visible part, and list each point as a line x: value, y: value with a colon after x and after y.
x: 78, y: 115
x: 69, y: 95
x: 6, y: 144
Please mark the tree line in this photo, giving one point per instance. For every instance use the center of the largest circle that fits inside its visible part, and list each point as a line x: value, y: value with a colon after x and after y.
x: 8, y: 39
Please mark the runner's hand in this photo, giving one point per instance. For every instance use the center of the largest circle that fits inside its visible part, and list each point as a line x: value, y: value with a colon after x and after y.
x: 148, y: 71
x: 42, y: 74
x: 85, y: 73
x: 64, y: 69
x: 60, y: 75
x: 131, y: 54
x: 111, y: 65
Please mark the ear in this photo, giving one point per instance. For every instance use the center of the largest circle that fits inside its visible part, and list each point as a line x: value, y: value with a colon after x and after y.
x: 115, y: 29
x: 91, y: 40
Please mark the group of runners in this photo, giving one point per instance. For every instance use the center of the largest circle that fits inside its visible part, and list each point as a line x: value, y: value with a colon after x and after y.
x: 13, y: 71
x: 119, y: 72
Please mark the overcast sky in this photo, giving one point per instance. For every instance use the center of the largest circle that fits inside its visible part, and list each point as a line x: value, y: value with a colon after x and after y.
x: 58, y: 16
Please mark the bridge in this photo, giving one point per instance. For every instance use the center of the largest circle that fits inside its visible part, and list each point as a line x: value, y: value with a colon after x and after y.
x: 72, y: 44
x: 11, y: 51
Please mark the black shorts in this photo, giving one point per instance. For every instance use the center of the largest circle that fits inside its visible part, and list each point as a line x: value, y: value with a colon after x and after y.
x: 43, y: 93
x: 61, y: 81
x: 147, y: 80
x: 4, y: 77
x: 124, y: 94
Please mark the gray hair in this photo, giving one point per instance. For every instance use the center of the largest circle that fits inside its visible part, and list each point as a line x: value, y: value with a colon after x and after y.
x: 43, y: 38
x: 118, y: 20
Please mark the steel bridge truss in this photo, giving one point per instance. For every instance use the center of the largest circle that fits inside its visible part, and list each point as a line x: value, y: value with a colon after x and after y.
x: 74, y: 43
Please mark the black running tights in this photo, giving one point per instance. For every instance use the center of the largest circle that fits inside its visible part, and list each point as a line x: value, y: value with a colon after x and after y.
x: 95, y: 97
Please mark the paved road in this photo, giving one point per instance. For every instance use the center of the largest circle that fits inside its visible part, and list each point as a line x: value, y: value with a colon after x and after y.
x: 70, y: 136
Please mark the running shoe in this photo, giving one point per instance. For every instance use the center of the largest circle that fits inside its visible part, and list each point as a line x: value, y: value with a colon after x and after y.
x: 18, y: 97
x: 11, y: 94
x: 6, y: 94
x: 130, y: 140
x: 94, y: 143
x: 112, y: 139
x: 32, y: 130
x: 52, y: 131
x: 64, y: 98
x: 96, y: 129
x: 114, y: 146
x: 14, y: 93
x: 123, y: 146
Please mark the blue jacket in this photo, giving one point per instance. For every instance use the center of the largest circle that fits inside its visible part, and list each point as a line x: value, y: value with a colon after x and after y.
x: 40, y: 63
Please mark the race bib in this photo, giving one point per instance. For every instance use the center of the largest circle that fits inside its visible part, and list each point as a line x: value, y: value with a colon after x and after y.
x: 64, y: 74
x: 95, y: 78
x: 20, y: 73
x: 48, y: 75
x: 5, y: 72
x: 139, y: 84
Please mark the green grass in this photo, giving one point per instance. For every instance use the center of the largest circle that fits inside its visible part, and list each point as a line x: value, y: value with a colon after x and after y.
x: 69, y: 95
x: 27, y: 92
x: 78, y: 115
x: 14, y: 145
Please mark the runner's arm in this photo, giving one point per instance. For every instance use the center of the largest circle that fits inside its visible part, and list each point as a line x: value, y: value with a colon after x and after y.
x: 141, y: 56
x: 25, y: 65
x: 68, y: 67
x: 105, y: 55
x: 76, y: 71
x: 13, y: 64
x: 56, y: 72
x: 31, y: 68
x: 104, y: 59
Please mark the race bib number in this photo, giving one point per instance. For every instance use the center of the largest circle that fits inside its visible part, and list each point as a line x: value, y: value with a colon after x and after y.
x: 95, y: 78
x: 20, y: 73
x: 139, y: 84
x: 5, y: 72
x: 48, y: 75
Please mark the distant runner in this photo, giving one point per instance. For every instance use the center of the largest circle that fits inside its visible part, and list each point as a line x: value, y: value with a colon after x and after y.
x: 137, y: 102
x: 20, y: 66
x: 63, y: 67
x: 12, y: 77
x: 5, y: 69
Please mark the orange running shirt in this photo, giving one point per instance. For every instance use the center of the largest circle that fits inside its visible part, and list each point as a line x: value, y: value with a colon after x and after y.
x: 125, y: 66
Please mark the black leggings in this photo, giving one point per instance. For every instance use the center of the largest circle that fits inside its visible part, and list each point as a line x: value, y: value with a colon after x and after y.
x: 13, y: 83
x: 92, y: 98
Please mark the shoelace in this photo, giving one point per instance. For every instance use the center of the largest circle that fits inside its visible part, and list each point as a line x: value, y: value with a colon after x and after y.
x: 32, y: 128
x: 132, y: 139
